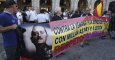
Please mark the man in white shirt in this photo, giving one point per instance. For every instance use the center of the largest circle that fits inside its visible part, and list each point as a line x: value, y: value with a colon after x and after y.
x: 19, y: 16
x: 42, y: 17
x: 27, y: 13
x: 47, y: 14
x: 32, y: 16
x: 87, y: 12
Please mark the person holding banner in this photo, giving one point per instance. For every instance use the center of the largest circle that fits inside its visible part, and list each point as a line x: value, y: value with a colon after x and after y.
x: 8, y: 25
x: 42, y: 17
x: 87, y: 13
x: 76, y: 14
x: 57, y: 14
x: 32, y: 15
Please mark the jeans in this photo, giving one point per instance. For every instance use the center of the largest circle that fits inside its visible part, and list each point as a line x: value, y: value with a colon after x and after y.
x: 11, y: 53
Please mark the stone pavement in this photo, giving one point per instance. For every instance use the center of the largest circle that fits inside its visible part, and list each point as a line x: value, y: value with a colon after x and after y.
x: 2, y: 52
x: 99, y: 49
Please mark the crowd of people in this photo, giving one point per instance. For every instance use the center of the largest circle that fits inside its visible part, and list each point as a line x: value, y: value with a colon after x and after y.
x: 29, y: 15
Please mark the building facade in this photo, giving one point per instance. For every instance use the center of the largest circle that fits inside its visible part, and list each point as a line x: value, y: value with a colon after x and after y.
x: 71, y: 5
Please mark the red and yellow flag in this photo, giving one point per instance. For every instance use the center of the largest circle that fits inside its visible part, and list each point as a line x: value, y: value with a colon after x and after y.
x: 98, y: 9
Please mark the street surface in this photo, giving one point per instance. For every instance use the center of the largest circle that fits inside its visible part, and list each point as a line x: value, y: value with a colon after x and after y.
x: 99, y: 49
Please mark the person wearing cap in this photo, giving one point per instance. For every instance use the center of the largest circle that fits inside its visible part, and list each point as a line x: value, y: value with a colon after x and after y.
x: 8, y: 25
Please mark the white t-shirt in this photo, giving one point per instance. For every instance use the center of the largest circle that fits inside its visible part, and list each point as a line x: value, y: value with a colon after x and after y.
x: 19, y: 16
x: 33, y: 15
x: 47, y: 14
x: 28, y: 14
x: 41, y: 18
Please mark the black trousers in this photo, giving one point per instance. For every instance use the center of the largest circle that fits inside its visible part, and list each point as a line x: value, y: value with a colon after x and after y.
x: 12, y: 53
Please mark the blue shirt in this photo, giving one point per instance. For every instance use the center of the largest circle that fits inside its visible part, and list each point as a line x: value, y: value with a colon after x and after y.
x: 10, y: 38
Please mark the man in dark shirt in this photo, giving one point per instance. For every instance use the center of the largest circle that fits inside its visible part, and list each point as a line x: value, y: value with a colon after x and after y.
x: 57, y: 15
x: 8, y: 25
x: 55, y: 18
x: 76, y: 14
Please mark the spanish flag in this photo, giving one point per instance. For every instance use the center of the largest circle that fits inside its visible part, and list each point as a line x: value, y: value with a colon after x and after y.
x: 98, y: 9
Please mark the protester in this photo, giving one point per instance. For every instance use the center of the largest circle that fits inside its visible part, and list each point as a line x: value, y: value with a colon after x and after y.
x: 57, y: 14
x: 65, y: 14
x: 76, y: 14
x: 71, y: 13
x: 112, y: 24
x: 27, y: 11
x: 42, y: 17
x: 32, y: 16
x: 106, y: 14
x: 24, y: 15
x: 8, y: 25
x: 47, y: 15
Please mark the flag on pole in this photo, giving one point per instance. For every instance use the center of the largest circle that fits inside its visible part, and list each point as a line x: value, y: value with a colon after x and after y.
x: 98, y: 9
